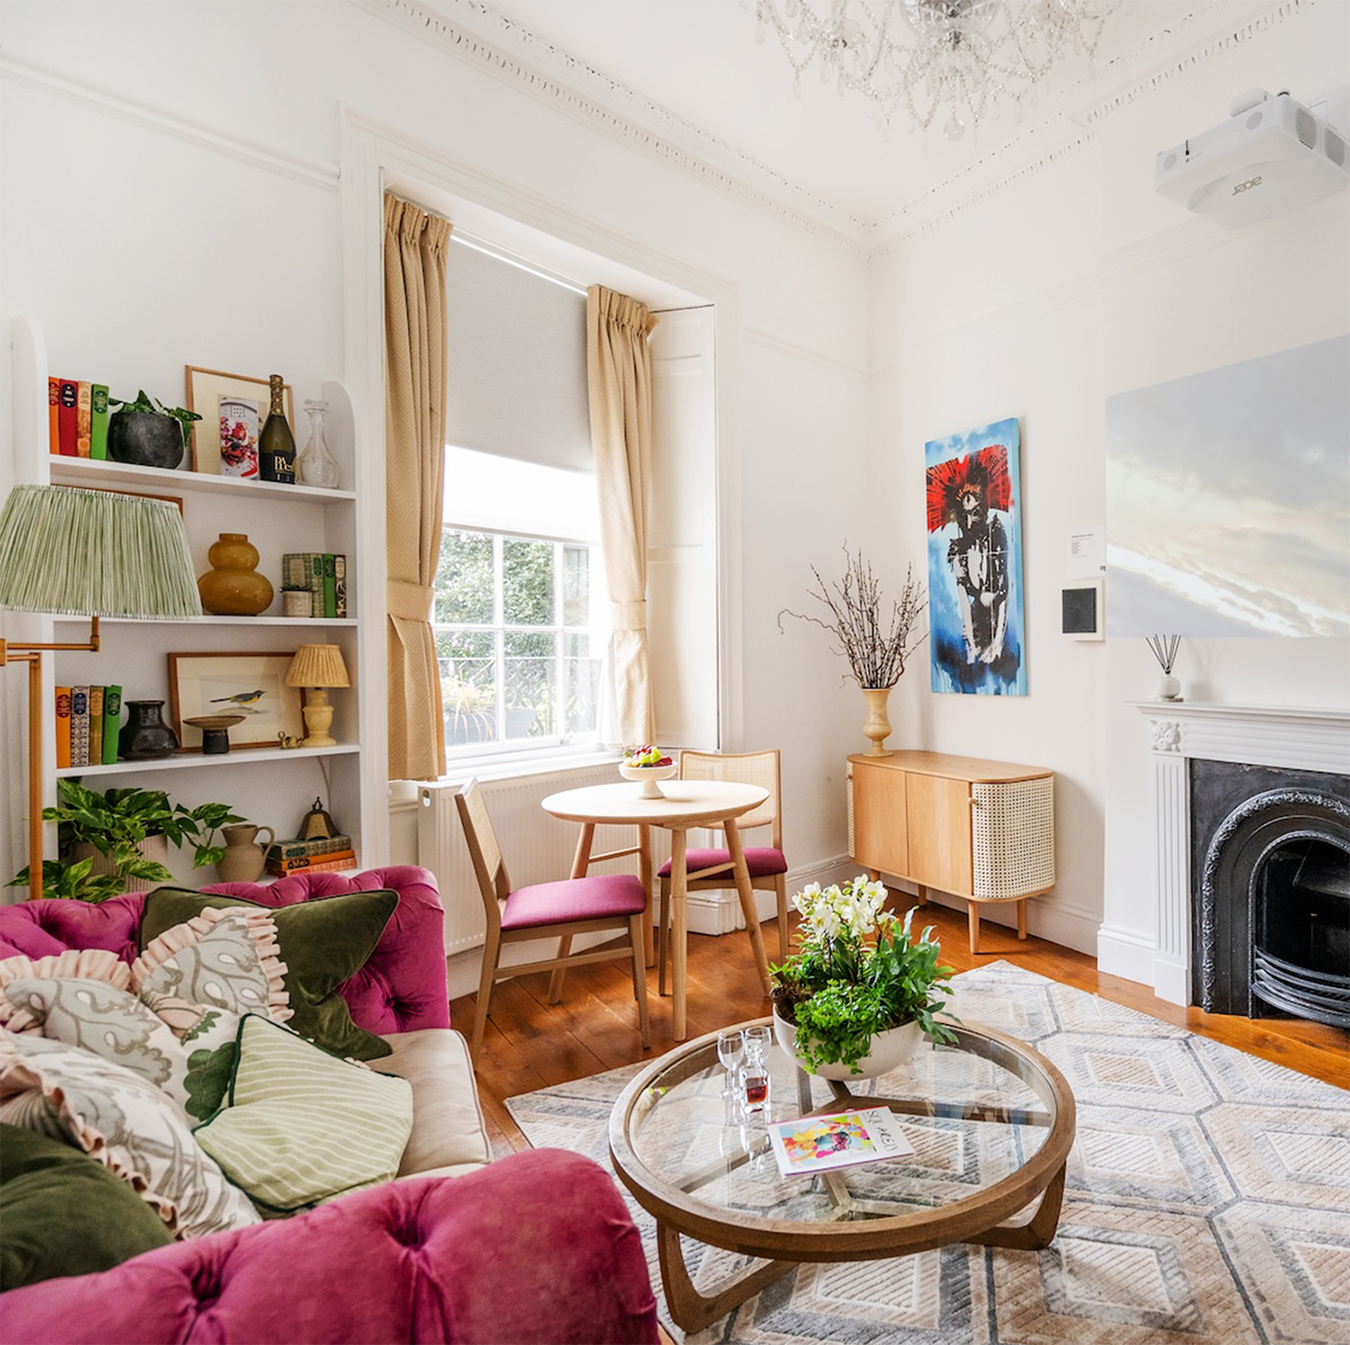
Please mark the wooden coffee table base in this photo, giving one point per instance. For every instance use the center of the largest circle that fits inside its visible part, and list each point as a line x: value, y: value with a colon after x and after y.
x: 692, y: 1310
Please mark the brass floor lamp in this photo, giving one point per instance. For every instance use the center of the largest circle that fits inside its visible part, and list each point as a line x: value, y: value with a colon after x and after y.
x: 85, y: 553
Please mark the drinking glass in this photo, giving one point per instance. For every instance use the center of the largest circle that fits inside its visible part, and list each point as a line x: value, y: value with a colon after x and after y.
x: 730, y: 1051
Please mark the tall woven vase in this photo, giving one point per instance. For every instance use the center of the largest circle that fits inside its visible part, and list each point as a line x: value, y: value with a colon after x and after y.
x: 877, y: 727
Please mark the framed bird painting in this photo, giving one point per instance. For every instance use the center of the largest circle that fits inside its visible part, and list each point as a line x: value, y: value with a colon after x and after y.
x: 250, y: 685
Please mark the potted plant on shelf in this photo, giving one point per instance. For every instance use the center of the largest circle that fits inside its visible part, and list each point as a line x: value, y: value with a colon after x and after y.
x: 858, y: 996
x: 103, y: 840
x: 875, y: 644
x: 148, y: 433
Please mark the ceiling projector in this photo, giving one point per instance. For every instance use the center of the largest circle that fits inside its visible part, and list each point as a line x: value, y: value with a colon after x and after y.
x: 1270, y: 156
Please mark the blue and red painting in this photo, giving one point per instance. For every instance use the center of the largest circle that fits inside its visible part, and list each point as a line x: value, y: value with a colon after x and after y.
x: 975, y: 614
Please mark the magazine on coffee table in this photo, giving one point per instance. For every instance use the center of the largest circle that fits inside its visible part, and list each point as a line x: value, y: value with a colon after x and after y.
x: 817, y: 1143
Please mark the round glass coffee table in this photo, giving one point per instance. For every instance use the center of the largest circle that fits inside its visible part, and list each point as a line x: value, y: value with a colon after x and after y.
x: 990, y: 1119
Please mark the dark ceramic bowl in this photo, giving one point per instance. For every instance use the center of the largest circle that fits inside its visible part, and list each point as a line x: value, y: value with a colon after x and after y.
x: 145, y: 438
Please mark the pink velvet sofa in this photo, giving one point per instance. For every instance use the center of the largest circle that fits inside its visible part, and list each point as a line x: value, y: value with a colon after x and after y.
x: 535, y: 1247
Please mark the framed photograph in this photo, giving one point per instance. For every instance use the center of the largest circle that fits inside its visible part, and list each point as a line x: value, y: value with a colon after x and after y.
x: 251, y: 685
x: 206, y: 389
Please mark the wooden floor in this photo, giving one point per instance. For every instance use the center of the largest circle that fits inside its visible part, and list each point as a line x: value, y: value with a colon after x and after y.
x: 531, y: 1044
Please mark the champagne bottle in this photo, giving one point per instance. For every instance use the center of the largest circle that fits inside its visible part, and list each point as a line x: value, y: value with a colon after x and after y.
x: 276, y: 444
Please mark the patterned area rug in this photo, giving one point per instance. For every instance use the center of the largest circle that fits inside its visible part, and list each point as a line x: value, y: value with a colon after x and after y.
x: 1207, y: 1201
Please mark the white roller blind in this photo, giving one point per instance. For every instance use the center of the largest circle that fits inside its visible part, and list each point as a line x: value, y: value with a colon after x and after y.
x: 517, y: 362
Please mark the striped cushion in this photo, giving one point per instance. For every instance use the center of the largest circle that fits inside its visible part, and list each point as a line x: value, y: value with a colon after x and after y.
x: 302, y: 1126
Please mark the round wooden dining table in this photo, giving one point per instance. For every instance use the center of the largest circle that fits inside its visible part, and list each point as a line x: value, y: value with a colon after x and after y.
x: 684, y: 804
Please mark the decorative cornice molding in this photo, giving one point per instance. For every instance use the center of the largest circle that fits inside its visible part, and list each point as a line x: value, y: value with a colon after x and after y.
x: 311, y: 172
x: 584, y: 91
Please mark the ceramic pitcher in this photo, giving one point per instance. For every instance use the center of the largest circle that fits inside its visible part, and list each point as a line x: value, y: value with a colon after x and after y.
x: 244, y: 858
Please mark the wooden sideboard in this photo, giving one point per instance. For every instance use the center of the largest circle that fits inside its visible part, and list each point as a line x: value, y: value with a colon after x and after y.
x: 982, y: 830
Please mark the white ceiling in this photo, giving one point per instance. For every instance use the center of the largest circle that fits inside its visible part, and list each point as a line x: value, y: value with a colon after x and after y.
x: 691, y: 72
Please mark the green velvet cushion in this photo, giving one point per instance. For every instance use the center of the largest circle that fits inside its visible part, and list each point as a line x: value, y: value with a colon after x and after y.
x: 302, y: 1126
x: 323, y: 943
x: 63, y: 1213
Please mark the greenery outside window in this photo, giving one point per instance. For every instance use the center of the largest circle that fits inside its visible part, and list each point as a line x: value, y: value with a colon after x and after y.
x: 520, y: 657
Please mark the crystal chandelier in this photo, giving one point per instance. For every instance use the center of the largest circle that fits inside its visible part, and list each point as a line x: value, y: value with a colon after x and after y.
x: 976, y: 59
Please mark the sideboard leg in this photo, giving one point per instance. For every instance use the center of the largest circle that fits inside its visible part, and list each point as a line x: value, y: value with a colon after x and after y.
x: 1022, y: 918
x: 973, y: 915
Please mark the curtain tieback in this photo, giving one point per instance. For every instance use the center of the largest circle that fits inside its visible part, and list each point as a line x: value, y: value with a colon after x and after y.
x: 628, y: 615
x: 408, y: 602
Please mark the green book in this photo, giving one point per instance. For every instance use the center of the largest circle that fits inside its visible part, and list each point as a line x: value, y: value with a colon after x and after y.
x: 112, y: 723
x: 340, y: 570
x: 98, y: 422
x: 330, y: 586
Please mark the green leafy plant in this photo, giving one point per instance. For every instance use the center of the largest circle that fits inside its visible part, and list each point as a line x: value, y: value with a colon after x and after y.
x: 152, y: 406
x: 857, y: 972
x: 115, y: 823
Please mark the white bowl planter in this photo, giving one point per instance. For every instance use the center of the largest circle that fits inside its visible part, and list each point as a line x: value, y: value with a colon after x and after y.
x: 890, y: 1050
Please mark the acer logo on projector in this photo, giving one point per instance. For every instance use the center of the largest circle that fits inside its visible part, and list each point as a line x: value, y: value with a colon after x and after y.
x: 1275, y: 144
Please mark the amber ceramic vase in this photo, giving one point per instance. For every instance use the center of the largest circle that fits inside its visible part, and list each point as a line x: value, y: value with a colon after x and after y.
x: 233, y: 586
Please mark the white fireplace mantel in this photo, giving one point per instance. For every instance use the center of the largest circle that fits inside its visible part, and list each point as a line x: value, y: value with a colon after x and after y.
x: 1254, y: 735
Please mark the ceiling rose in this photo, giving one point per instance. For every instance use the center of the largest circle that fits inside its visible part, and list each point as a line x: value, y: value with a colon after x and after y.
x: 972, y: 59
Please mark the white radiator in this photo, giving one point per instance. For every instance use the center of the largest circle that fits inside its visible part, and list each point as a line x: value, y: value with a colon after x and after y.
x: 537, y: 848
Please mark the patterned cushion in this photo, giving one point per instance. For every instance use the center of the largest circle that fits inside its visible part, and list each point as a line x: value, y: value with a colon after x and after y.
x: 302, y: 1126
x: 125, y: 1122
x: 194, y: 981
x: 324, y: 943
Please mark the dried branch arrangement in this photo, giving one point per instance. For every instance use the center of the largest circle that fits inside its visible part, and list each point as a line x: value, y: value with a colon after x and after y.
x: 876, y: 648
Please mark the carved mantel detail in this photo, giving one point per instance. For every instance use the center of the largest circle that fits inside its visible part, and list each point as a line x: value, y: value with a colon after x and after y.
x: 1166, y: 734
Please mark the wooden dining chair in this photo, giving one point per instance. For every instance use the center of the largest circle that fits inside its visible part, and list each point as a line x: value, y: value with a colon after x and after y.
x: 548, y: 910
x: 710, y: 870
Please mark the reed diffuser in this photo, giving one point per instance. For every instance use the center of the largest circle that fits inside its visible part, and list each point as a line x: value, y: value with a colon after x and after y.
x: 1164, y: 649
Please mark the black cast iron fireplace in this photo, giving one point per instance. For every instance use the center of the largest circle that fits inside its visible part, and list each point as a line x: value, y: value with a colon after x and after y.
x: 1271, y: 878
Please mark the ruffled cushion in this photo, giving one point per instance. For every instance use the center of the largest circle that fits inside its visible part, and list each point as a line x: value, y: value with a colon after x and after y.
x: 610, y: 894
x: 126, y: 1123
x: 763, y: 861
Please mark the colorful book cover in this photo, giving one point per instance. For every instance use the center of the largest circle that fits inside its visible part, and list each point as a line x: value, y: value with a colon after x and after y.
x: 340, y: 586
x: 62, y: 727
x: 79, y: 726
x: 303, y: 569
x: 330, y: 586
x: 112, y: 723
x: 54, y: 412
x: 96, y: 726
x: 816, y: 1143
x: 98, y: 422
x: 238, y: 437
x: 83, y: 412
x: 69, y: 416
x: 345, y: 859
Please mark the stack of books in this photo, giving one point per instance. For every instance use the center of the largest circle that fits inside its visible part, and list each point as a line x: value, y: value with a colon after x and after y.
x: 321, y: 855
x: 88, y: 720
x: 323, y: 576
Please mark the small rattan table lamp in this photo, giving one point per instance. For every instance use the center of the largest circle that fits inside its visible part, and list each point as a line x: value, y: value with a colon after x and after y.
x: 85, y: 553
x: 316, y: 667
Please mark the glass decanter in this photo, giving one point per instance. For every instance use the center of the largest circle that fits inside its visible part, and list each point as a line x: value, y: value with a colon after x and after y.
x: 316, y: 466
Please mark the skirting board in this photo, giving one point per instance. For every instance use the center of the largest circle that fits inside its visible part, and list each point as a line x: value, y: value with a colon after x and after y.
x: 1047, y: 918
x: 1125, y: 953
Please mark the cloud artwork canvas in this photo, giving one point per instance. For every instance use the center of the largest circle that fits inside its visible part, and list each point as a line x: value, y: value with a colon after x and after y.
x: 975, y: 562
x: 1227, y: 498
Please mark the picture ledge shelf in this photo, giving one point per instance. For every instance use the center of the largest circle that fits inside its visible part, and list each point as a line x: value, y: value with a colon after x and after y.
x: 236, y: 756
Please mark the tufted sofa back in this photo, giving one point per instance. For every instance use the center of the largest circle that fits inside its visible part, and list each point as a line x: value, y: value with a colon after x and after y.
x: 402, y: 986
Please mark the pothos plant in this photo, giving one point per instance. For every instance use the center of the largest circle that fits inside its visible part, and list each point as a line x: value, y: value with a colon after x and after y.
x: 115, y: 823
x: 857, y: 972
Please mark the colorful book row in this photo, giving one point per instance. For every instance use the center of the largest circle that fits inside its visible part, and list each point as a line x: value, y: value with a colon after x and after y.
x: 78, y: 416
x: 320, y: 574
x: 88, y: 721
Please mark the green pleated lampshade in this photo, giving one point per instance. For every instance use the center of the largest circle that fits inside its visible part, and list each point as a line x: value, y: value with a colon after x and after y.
x: 94, y: 553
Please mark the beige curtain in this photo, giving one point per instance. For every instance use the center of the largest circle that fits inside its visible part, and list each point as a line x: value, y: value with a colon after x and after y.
x: 414, y: 342
x: 619, y: 373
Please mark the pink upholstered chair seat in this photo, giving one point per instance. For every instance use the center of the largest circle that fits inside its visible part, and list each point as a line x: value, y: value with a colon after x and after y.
x: 763, y: 861
x: 595, y: 898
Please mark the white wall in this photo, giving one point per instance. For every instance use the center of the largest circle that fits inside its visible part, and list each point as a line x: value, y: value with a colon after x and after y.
x: 169, y: 180
x: 1041, y: 301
